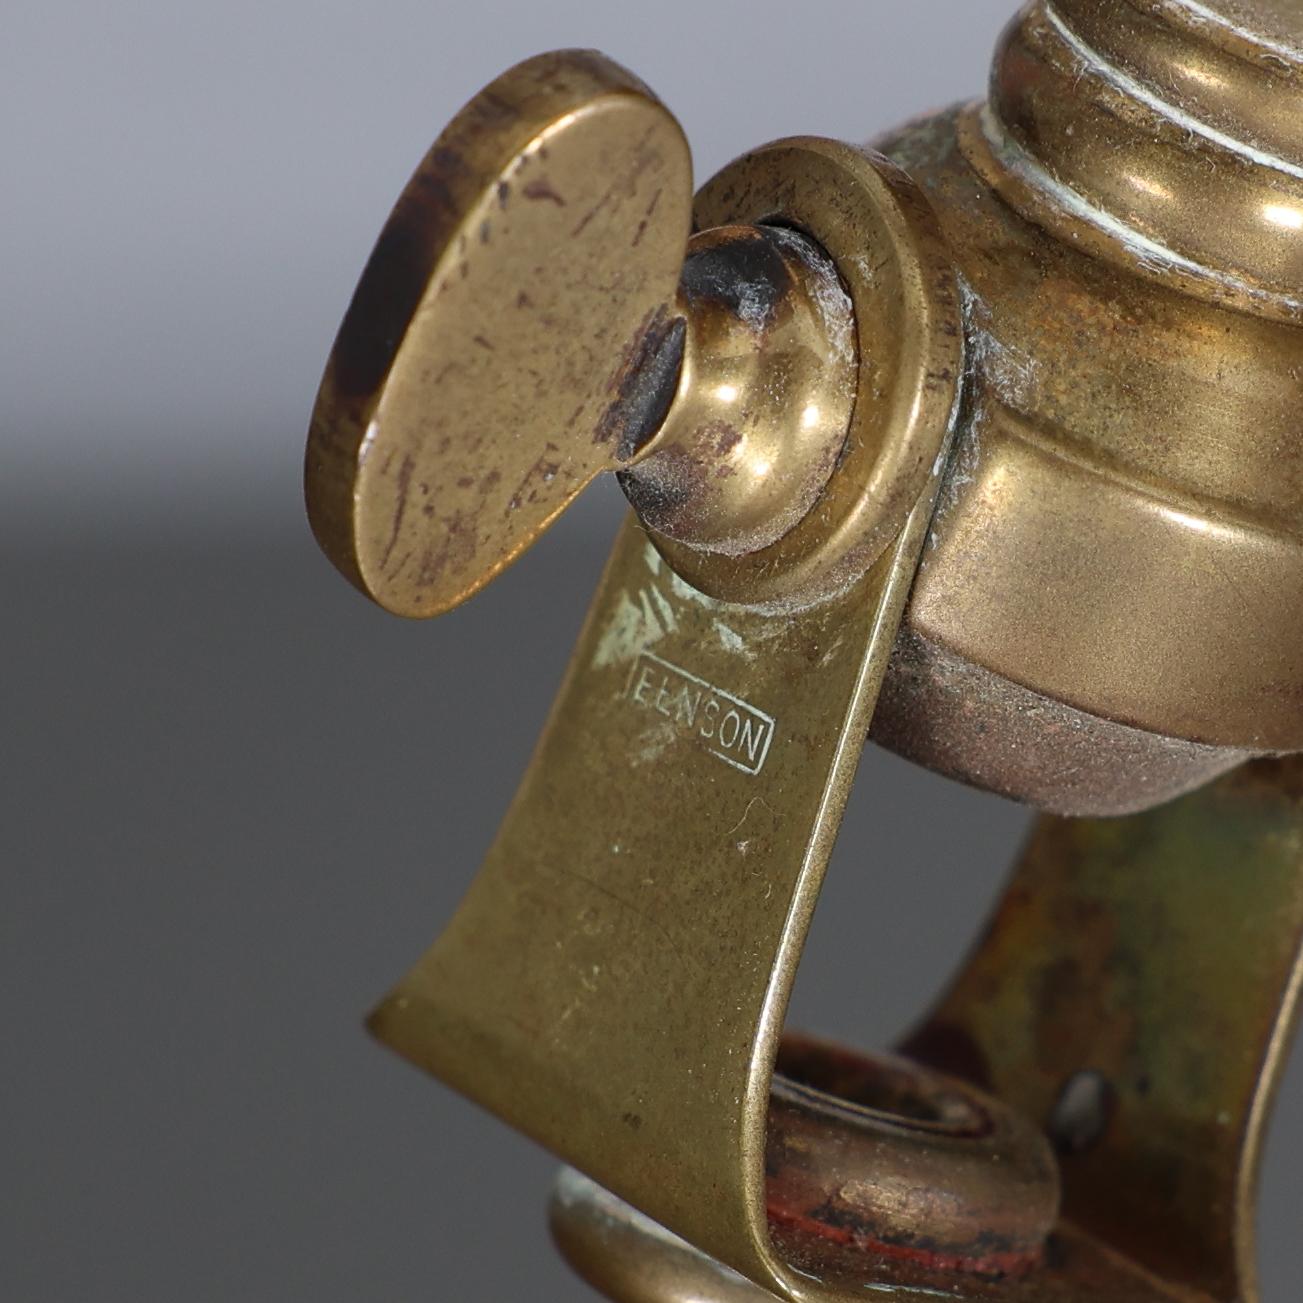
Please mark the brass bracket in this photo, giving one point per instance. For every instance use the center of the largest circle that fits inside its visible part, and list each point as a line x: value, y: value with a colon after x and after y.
x: 615, y: 982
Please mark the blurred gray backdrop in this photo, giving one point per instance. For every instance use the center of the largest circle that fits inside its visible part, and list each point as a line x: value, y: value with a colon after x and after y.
x: 238, y: 801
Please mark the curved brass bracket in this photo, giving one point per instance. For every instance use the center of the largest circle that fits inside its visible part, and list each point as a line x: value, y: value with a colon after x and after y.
x: 616, y: 979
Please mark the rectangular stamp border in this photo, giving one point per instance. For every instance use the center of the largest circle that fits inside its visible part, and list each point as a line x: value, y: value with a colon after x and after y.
x: 740, y: 702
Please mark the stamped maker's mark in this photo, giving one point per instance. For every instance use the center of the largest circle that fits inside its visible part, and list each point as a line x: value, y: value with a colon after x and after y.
x: 727, y: 726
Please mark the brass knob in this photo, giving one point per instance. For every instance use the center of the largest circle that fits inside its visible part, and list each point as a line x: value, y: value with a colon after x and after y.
x: 535, y: 312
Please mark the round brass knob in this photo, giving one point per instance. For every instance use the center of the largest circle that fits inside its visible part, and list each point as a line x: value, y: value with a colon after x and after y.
x: 536, y: 312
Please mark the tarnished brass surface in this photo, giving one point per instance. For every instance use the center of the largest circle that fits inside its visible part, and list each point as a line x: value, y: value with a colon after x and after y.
x: 474, y: 388
x: 634, y: 968
x: 1122, y: 530
x: 534, y: 314
x: 1106, y: 609
x: 1134, y: 994
x: 1126, y: 124
x: 873, y: 1154
x: 630, y: 1259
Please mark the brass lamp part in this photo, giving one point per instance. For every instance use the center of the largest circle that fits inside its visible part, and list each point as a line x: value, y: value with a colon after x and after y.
x: 1112, y: 608
x: 988, y: 446
x: 475, y: 385
x: 534, y: 313
x: 1072, y: 1009
x: 830, y: 311
x: 881, y: 234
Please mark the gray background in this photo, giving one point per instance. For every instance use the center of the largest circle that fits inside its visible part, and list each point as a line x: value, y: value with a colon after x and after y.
x: 237, y: 800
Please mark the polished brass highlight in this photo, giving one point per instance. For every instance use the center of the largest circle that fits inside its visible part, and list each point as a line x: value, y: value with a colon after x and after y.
x: 764, y: 396
x: 1086, y: 292
x: 881, y: 233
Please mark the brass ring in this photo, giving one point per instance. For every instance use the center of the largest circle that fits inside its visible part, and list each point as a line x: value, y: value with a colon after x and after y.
x: 876, y: 1154
x: 867, y: 1157
x: 880, y: 231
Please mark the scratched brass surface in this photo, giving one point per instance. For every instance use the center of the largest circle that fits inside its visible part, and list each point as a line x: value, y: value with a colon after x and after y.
x: 615, y: 981
x: 1118, y: 538
x: 464, y: 403
x: 1134, y: 993
x: 534, y: 313
x: 1121, y: 535
x: 631, y: 1259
